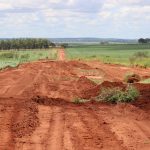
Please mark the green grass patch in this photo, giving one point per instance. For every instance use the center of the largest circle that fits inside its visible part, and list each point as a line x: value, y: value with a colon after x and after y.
x: 13, y: 57
x: 111, y: 53
x: 115, y: 95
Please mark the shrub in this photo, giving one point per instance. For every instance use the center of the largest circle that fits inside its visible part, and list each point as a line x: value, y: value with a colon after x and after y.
x: 25, y: 56
x: 132, y: 78
x: 114, y: 95
x: 141, y: 55
x: 8, y: 55
x: 132, y: 60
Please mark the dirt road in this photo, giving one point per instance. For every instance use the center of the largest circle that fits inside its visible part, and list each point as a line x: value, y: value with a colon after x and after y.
x: 36, y: 112
x: 61, y: 54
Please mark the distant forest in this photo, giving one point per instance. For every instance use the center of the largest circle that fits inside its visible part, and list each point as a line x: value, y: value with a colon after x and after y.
x: 26, y: 43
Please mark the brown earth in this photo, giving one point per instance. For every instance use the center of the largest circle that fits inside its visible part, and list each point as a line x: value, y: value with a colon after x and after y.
x: 36, y: 112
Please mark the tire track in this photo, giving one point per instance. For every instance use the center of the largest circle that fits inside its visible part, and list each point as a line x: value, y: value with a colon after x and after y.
x: 55, y: 140
x: 38, y: 139
x: 99, y: 133
x: 61, y: 55
x: 5, y: 121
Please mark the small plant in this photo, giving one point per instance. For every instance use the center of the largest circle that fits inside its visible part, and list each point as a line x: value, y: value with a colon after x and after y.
x: 132, y: 60
x: 114, y: 95
x: 141, y: 55
x: 132, y: 78
x: 79, y: 100
x: 8, y: 55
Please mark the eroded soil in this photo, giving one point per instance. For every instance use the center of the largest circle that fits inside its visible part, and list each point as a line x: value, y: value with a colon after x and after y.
x: 37, y: 113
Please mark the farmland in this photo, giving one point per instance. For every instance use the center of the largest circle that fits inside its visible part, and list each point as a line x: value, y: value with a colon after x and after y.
x: 112, y: 53
x: 13, y: 58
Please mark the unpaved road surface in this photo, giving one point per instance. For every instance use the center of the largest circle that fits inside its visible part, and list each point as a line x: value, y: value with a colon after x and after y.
x: 61, y: 54
x: 36, y: 112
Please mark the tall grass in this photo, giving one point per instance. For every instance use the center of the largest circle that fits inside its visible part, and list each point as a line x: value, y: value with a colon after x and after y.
x: 13, y: 58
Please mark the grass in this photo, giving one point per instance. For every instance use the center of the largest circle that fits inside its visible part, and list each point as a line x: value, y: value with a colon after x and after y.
x: 12, y: 58
x: 115, y: 95
x: 147, y: 81
x: 113, y: 53
x: 79, y: 101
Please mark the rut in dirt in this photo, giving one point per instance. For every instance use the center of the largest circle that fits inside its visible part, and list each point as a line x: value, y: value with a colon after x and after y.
x: 64, y: 127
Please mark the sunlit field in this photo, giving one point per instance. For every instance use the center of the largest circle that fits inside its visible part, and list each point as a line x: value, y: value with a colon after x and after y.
x: 111, y: 53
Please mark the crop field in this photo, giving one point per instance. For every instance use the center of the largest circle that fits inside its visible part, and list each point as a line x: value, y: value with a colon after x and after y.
x: 13, y: 57
x: 113, y: 53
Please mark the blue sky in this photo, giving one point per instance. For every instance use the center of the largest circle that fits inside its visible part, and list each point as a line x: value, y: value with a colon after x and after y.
x: 75, y: 18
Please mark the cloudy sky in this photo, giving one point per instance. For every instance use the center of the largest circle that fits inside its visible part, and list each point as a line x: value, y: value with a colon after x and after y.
x: 75, y: 18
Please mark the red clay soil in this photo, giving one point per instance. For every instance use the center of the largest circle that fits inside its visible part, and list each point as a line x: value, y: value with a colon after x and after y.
x: 117, y: 72
x: 36, y: 112
x: 61, y: 55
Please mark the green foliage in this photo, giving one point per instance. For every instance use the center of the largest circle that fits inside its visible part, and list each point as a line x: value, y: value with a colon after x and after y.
x: 143, y: 41
x: 7, y: 55
x: 64, y: 45
x: 114, y: 95
x: 25, y: 56
x: 139, y: 56
x: 110, y: 54
x: 13, y: 58
x: 25, y: 43
x: 144, y: 54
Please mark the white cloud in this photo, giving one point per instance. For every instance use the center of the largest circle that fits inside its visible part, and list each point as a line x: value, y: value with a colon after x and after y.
x: 4, y: 6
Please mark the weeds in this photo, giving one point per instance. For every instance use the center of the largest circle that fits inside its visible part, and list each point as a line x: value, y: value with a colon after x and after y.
x: 115, y: 95
x: 79, y: 101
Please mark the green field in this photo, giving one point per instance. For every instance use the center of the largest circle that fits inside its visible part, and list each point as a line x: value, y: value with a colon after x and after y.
x: 13, y: 58
x: 111, y: 53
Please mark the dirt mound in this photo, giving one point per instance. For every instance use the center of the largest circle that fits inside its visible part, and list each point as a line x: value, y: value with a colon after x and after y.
x: 108, y: 84
x: 24, y: 120
x: 78, y: 64
x: 144, y: 90
x: 87, y: 88
x: 84, y: 83
x: 49, y: 101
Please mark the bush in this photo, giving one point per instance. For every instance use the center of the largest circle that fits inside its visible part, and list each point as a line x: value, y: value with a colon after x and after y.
x: 8, y: 55
x: 141, y: 54
x: 114, y: 95
x: 25, y: 56
x: 132, y: 78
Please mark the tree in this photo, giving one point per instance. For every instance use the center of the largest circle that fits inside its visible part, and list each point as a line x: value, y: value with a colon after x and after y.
x: 28, y: 43
x: 142, y: 41
x: 64, y: 45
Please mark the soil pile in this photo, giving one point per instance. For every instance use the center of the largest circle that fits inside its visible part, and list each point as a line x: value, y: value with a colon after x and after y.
x: 87, y: 88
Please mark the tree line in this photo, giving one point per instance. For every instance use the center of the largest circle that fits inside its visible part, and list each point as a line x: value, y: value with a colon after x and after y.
x: 25, y: 43
x: 144, y: 41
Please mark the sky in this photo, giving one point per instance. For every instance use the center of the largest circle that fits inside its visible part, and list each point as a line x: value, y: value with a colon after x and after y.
x: 75, y: 18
